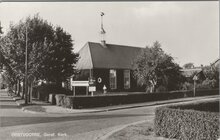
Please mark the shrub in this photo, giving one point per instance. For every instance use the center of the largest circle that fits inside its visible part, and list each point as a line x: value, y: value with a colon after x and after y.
x: 207, y: 84
x: 42, y: 92
x: 180, y: 123
x: 108, y: 99
x: 68, y: 101
x: 60, y: 99
x: 187, y: 86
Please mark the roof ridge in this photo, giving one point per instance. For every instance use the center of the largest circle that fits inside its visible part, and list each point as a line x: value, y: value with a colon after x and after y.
x: 117, y: 45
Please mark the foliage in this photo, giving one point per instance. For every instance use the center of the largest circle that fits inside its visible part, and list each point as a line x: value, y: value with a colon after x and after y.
x: 114, y: 99
x: 60, y: 99
x: 213, y: 76
x: 187, y: 86
x: 188, y: 65
x: 207, y: 84
x: 68, y: 101
x: 60, y: 63
x: 172, y: 122
x: 50, y: 50
x: 1, y: 32
x: 154, y: 68
x: 42, y: 91
x: 13, y: 44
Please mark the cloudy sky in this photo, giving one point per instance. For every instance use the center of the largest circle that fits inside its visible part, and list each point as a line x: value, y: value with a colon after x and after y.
x: 189, y: 31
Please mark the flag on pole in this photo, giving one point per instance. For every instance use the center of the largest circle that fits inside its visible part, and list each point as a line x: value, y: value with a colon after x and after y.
x: 102, y: 14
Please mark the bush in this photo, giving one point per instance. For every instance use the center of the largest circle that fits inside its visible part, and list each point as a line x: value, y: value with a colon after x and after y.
x: 108, y: 99
x: 207, y: 84
x: 60, y: 99
x: 181, y: 122
x: 68, y: 101
x: 42, y: 92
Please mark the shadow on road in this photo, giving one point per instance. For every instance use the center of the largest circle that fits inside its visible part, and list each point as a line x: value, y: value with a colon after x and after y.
x: 9, y: 106
x: 6, y: 100
x: 12, y: 121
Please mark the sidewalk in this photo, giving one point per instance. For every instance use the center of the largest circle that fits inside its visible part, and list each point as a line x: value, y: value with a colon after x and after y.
x: 43, y: 107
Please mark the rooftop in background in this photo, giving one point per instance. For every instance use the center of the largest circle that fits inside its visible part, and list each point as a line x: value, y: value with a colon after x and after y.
x: 95, y: 55
x: 215, y: 63
x: 191, y: 71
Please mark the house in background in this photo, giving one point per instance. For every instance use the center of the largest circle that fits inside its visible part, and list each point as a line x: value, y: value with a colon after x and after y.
x: 215, y: 64
x: 190, y: 72
x: 110, y: 65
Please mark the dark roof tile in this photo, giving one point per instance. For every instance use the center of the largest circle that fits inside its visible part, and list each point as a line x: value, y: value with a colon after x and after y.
x: 94, y: 55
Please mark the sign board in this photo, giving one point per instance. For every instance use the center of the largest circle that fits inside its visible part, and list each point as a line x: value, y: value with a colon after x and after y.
x: 195, y: 78
x: 80, y: 83
x: 92, y: 81
x: 91, y: 89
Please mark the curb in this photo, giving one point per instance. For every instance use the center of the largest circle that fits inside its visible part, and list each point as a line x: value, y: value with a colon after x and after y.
x: 150, y: 104
x: 120, y: 128
x: 23, y: 108
x: 114, y: 108
x: 16, y: 101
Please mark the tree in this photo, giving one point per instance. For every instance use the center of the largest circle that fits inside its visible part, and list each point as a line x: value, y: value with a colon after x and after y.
x: 13, y: 44
x: 154, y: 69
x: 60, y: 63
x: 50, y: 51
x: 188, y: 65
x: 1, y: 57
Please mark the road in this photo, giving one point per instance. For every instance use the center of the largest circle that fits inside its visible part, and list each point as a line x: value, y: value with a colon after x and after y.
x: 64, y: 126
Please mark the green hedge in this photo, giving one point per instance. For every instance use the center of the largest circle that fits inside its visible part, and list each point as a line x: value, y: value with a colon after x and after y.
x: 108, y: 99
x: 68, y: 102
x: 60, y: 99
x: 183, y: 122
x: 42, y: 92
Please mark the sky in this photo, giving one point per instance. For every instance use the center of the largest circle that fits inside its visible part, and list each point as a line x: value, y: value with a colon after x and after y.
x: 188, y: 31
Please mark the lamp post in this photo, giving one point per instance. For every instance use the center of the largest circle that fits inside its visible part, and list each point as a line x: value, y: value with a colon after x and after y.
x: 26, y: 69
x: 195, y: 78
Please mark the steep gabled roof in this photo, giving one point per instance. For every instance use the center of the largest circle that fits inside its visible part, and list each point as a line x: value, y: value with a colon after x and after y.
x: 85, y: 59
x: 94, y: 55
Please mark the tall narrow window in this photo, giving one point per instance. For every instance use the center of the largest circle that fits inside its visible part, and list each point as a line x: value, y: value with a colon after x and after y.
x: 113, y: 79
x: 127, y: 79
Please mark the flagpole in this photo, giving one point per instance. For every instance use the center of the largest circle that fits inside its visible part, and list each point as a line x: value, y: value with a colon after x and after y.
x: 102, y: 29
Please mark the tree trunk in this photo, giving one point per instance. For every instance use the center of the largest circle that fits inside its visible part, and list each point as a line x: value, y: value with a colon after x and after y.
x: 16, y: 87
x: 30, y: 91
x: 19, y: 87
x: 23, y: 91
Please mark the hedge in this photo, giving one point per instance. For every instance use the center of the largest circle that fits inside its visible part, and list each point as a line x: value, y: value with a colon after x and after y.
x: 60, y: 99
x: 108, y: 99
x: 42, y: 92
x: 183, y: 122
x: 68, y: 102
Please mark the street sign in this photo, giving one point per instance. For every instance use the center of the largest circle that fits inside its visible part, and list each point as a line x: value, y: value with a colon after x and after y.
x: 80, y: 83
x: 195, y: 78
x: 91, y: 89
x: 92, y: 81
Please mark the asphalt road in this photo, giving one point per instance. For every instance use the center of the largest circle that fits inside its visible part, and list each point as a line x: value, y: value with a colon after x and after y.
x: 14, y: 121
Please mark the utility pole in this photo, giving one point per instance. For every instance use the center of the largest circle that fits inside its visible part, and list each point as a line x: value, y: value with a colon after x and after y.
x: 26, y: 69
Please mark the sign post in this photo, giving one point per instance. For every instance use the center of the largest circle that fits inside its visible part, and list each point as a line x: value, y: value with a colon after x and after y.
x: 79, y: 84
x: 92, y: 85
x: 195, y: 78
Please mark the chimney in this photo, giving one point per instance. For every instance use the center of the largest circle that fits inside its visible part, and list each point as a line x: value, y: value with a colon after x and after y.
x: 103, y: 43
